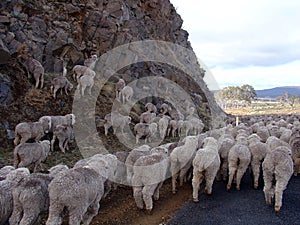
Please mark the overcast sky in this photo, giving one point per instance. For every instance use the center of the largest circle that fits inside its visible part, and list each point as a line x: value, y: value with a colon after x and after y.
x: 254, y: 42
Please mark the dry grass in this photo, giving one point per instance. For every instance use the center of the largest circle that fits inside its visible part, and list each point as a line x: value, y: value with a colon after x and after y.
x: 260, y: 108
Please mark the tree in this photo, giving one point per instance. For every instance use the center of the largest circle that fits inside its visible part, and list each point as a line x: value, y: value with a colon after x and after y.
x: 248, y: 93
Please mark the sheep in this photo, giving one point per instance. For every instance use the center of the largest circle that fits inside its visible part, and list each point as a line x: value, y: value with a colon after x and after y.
x: 64, y: 134
x: 163, y: 124
x: 225, y: 144
x: 31, y: 197
x: 4, y: 171
x: 91, y: 62
x: 145, y: 130
x: 68, y: 119
x: 150, y: 107
x: 239, y: 158
x: 60, y: 82
x: 147, y: 117
x: 263, y: 133
x: 28, y: 153
x: 285, y: 134
x: 278, y: 167
x: 258, y: 151
x: 132, y: 157
x: 117, y: 120
x: 197, y: 125
x: 79, y: 190
x: 172, y: 128
x: 86, y: 81
x: 185, y: 128
x: 295, y: 147
x: 149, y: 173
x: 34, y: 67
x: 274, y: 131
x: 78, y: 71
x: 121, y: 175
x: 181, y: 159
x: 126, y: 94
x: 28, y: 130
x: 118, y: 87
x: 205, y: 164
x: 6, y: 198
x: 273, y: 142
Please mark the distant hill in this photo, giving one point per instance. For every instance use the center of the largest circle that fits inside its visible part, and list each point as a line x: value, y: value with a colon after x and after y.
x: 277, y: 91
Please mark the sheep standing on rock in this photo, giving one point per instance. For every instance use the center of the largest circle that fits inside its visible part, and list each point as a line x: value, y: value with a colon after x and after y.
x: 64, y: 134
x: 31, y: 196
x: 278, y: 167
x: 28, y: 153
x: 239, y: 158
x: 6, y: 197
x: 145, y: 130
x: 28, y: 130
x: 149, y: 173
x: 205, y: 164
x: 60, y: 82
x: 181, y: 159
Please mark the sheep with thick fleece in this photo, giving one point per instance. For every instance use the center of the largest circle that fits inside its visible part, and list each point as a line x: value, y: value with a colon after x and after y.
x: 79, y: 190
x: 205, y: 165
x: 285, y: 134
x: 150, y: 107
x: 225, y: 144
x: 197, y: 125
x: 4, y: 171
x: 68, y: 119
x: 86, y: 81
x: 121, y: 175
x: 263, y: 133
x: 274, y: 142
x: 64, y: 134
x: 145, y: 130
x: 60, y: 83
x: 6, y: 198
x: 149, y: 173
x: 295, y: 146
x: 31, y: 196
x: 91, y: 62
x: 126, y: 94
x: 28, y: 153
x: 278, y: 167
x: 172, y: 128
x: 239, y: 158
x: 27, y: 130
x: 147, y: 117
x: 163, y: 124
x: 78, y: 71
x: 258, y: 151
x: 117, y: 120
x: 118, y: 87
x: 181, y: 159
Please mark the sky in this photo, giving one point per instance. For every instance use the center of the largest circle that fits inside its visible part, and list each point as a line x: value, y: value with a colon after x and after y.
x: 255, y: 42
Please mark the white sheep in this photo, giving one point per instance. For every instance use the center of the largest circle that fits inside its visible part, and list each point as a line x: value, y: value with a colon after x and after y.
x: 285, y: 134
x: 277, y: 171
x: 117, y: 120
x: 78, y: 71
x: 295, y: 147
x: 91, y: 62
x: 132, y: 157
x: 163, y: 124
x: 274, y: 142
x: 149, y: 173
x: 172, y: 128
x: 239, y: 158
x: 205, y: 165
x: 225, y: 144
x: 181, y: 159
x: 150, y: 107
x: 31, y: 197
x: 28, y: 153
x: 64, y: 134
x: 27, y: 130
x: 68, y: 119
x: 145, y: 130
x: 147, y: 117
x: 258, y: 151
x: 126, y: 94
x: 121, y: 174
x: 86, y: 81
x: 4, y: 171
x: 263, y: 133
x: 197, y: 125
x: 60, y: 83
x: 118, y: 87
x: 6, y: 198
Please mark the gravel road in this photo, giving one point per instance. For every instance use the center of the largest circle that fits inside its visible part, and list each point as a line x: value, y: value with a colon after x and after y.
x: 244, y: 207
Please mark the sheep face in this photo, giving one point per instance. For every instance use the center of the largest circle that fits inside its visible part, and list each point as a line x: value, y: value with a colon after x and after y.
x: 46, y: 121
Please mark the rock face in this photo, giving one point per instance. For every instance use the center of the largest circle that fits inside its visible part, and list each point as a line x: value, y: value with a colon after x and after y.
x: 72, y: 30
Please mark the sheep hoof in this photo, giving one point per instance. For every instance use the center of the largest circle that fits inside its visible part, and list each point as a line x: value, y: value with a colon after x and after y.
x: 295, y: 174
x: 174, y: 192
x: 149, y: 211
x: 238, y: 188
x: 228, y: 187
x: 277, y: 208
x: 195, y: 200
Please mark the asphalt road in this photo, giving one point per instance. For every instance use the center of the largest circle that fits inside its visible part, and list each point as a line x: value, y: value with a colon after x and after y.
x: 244, y: 207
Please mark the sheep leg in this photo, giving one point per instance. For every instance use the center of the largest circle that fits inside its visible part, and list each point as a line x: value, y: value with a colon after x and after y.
x: 210, y: 175
x: 17, y: 139
x: 37, y: 138
x: 61, y: 92
x: 83, y: 87
x: 61, y: 147
x: 42, y: 80
x: 232, y: 171
x: 255, y: 165
x: 156, y: 193
x: 30, y: 216
x: 174, y: 171
x: 91, y: 213
x: 17, y: 212
x: 137, y: 194
x: 76, y: 216
x: 239, y: 175
x: 25, y: 138
x: 279, y: 188
x: 37, y: 81
x: 54, y: 92
x: 55, y: 212
x: 148, y: 192
x: 65, y: 145
x: 224, y: 169
x: 196, y: 181
x: 268, y: 180
x: 52, y: 143
x: 90, y: 90
x: 182, y: 174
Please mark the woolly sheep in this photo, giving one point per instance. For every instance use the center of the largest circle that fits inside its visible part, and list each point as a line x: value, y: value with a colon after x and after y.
x: 121, y: 175
x: 68, y: 119
x: 205, y: 164
x: 197, y: 126
x: 118, y: 87
x: 147, y: 117
x: 117, y: 120
x: 163, y: 124
x: 263, y: 133
x: 4, y: 171
x: 274, y: 131
x: 150, y: 107
x: 78, y: 71
x: 145, y: 130
x: 28, y: 153
x: 258, y: 151
x: 60, y: 82
x: 295, y: 147
x: 85, y: 188
x: 31, y: 197
x: 6, y: 198
x: 132, y: 157
x: 225, y: 144
x: 64, y: 134
x: 28, y: 130
x: 172, y: 128
x: 126, y: 94
x: 86, y: 81
x: 181, y: 159
x: 274, y: 142
x: 278, y: 167
x: 149, y: 173
x: 91, y: 62
x: 239, y: 157
x: 285, y: 134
